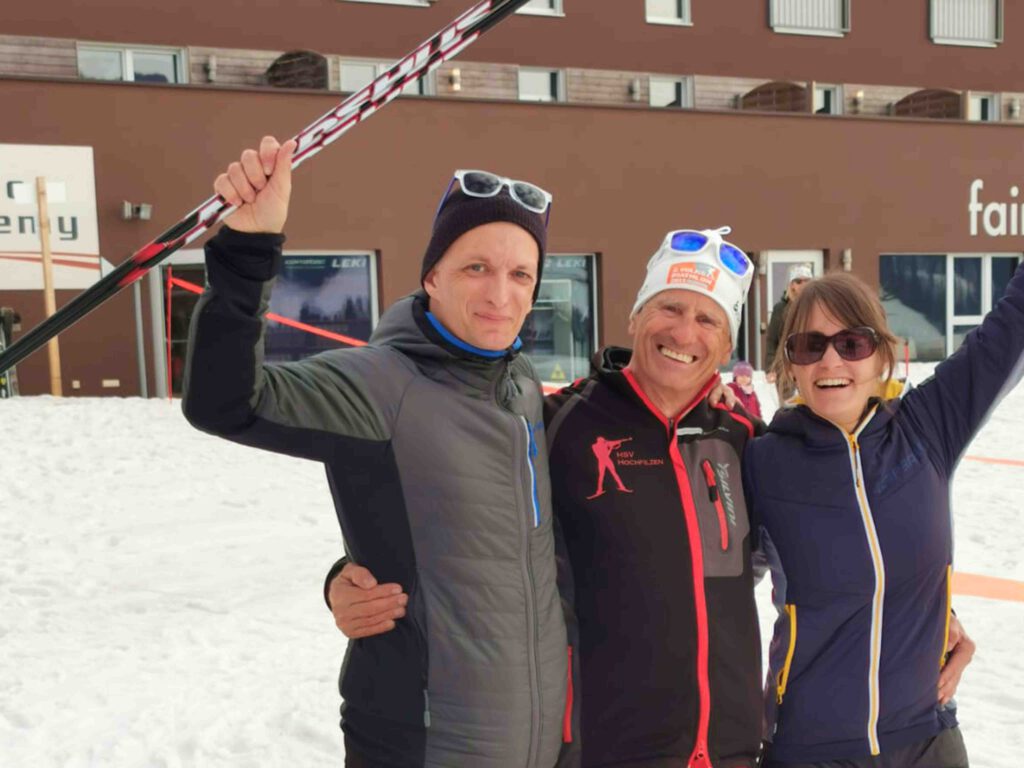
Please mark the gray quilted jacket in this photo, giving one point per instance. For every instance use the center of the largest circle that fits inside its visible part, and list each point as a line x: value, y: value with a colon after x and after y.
x: 438, y: 468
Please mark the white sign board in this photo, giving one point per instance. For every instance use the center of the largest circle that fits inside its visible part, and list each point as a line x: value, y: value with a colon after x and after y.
x: 71, y: 198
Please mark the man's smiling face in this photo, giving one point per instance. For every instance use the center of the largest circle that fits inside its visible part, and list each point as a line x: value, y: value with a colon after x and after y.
x: 680, y: 338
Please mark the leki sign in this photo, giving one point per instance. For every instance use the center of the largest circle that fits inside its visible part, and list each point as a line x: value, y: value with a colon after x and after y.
x: 996, y: 219
x: 71, y: 199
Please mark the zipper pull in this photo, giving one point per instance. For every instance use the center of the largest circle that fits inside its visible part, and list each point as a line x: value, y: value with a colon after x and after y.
x: 533, y: 441
x: 426, y: 709
x: 855, y: 448
x: 699, y: 758
x: 709, y: 475
x: 511, y: 389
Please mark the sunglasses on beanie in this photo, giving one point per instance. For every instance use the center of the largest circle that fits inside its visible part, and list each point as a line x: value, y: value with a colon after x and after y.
x: 487, y: 184
x: 851, y: 344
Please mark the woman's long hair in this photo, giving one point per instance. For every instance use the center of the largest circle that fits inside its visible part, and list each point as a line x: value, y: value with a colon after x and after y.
x: 852, y: 304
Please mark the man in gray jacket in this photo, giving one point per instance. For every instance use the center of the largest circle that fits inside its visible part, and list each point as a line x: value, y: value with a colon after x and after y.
x: 440, y: 481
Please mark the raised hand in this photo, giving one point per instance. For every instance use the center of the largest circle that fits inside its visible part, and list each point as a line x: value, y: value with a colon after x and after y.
x: 260, y: 186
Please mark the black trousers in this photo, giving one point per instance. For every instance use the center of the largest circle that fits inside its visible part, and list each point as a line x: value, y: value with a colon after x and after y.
x: 943, y: 751
x: 352, y: 760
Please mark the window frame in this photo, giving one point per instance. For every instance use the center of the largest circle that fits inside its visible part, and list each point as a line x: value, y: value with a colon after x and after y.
x: 557, y: 9
x: 953, y: 320
x: 127, y: 60
x: 406, y: 3
x: 943, y: 40
x: 194, y: 257
x: 845, y: 25
x: 684, y: 20
x: 559, y: 94
x: 995, y: 106
x: 838, y: 97
x: 683, y: 82
x: 428, y: 82
x: 594, y: 258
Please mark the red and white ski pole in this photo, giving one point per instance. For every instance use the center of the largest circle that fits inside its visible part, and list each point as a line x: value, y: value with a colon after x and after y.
x: 443, y: 46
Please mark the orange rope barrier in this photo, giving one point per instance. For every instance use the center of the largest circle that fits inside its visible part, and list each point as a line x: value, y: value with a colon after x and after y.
x: 973, y: 585
x: 284, y: 320
x: 1005, y: 462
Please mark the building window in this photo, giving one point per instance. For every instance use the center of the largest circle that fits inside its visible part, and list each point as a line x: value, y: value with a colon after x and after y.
x: 560, y: 334
x: 540, y: 85
x: 422, y: 3
x: 141, y: 65
x: 671, y: 92
x: 356, y: 74
x: 334, y: 292
x: 967, y: 22
x: 668, y: 12
x: 983, y: 107
x: 543, y: 8
x: 828, y: 100
x: 828, y: 18
x: 934, y: 300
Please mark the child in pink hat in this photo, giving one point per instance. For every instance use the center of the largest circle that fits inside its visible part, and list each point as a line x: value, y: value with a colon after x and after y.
x: 743, y: 385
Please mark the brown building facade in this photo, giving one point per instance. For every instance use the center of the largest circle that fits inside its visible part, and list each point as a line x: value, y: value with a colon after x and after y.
x: 838, y: 134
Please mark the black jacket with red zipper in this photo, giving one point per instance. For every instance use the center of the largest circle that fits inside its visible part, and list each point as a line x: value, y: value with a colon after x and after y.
x: 656, y: 530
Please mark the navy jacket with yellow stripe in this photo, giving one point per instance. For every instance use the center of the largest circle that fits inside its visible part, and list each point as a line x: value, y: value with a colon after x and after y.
x: 858, y: 529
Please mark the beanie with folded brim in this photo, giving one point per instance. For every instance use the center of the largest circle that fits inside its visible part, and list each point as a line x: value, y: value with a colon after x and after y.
x: 461, y: 212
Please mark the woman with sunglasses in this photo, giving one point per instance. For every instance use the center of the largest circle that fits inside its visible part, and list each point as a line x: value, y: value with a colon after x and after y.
x: 850, y: 488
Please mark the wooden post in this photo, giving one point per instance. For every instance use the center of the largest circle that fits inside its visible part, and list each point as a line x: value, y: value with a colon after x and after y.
x: 49, y: 297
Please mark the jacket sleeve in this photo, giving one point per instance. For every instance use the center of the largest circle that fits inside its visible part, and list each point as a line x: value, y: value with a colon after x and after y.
x: 949, y: 408
x: 331, y: 575
x: 293, y: 408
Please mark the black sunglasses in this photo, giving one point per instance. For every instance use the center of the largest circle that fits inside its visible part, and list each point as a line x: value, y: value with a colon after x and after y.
x: 851, y: 344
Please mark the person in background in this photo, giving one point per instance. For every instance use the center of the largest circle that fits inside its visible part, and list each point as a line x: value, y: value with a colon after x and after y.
x: 743, y: 385
x: 799, y: 275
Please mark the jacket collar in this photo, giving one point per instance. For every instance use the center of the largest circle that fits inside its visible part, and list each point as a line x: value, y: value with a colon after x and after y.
x: 409, y: 327
x: 796, y: 419
x: 609, y: 365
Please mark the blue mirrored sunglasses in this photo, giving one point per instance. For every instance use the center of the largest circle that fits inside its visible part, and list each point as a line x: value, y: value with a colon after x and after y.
x: 731, y: 257
x: 487, y: 184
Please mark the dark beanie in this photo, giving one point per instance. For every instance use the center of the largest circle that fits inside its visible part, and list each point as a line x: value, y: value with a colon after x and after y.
x: 461, y: 213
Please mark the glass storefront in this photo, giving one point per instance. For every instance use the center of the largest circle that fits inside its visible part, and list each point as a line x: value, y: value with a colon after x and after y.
x: 334, y: 293
x: 337, y: 293
x: 934, y: 300
x: 560, y: 333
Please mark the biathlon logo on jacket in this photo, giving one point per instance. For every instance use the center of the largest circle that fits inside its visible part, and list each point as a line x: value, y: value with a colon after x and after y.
x: 659, y: 541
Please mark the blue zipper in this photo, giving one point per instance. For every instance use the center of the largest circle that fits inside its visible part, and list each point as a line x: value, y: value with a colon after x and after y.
x: 531, y: 453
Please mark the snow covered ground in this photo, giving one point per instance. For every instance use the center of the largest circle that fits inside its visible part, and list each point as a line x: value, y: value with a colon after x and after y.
x: 160, y: 593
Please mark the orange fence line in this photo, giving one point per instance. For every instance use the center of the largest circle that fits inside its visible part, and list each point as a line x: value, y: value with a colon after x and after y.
x: 973, y: 585
x: 1005, y: 462
x: 282, y: 320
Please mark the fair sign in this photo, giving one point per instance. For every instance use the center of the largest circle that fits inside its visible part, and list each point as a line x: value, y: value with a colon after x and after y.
x: 996, y: 218
x: 71, y: 200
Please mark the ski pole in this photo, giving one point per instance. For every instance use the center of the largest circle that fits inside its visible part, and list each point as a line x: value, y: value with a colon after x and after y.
x: 426, y: 57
